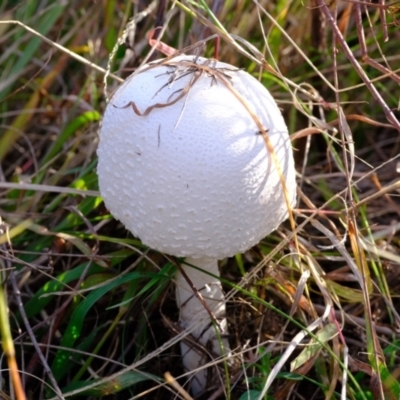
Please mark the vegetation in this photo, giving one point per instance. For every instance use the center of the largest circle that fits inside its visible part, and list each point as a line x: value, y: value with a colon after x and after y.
x: 87, y: 310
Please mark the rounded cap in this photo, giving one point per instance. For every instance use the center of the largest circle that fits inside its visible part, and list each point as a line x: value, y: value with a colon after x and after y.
x: 182, y: 163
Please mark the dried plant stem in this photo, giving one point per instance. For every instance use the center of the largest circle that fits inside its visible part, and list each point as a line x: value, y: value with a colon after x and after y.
x: 389, y: 114
x: 8, y: 346
x: 63, y: 49
x: 32, y: 336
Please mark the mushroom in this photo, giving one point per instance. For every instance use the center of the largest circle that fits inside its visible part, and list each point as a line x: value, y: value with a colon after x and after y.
x: 184, y: 165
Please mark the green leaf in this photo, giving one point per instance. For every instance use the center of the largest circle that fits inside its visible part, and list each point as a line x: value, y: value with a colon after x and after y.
x: 290, y: 375
x: 107, y: 387
x: 389, y: 382
x: 315, y: 345
x: 250, y: 395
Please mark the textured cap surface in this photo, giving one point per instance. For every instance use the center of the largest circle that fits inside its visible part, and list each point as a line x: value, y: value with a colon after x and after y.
x: 194, y: 178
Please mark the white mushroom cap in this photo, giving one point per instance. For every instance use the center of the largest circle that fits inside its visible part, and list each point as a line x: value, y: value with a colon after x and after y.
x: 194, y: 178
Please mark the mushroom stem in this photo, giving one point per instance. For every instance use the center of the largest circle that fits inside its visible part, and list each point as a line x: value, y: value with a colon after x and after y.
x: 195, y: 318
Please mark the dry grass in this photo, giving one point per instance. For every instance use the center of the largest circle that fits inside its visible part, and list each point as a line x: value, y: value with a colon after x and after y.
x: 313, y: 311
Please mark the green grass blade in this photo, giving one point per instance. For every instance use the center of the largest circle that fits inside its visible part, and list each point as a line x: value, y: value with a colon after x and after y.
x: 74, y: 328
x: 121, y: 382
x: 38, y: 301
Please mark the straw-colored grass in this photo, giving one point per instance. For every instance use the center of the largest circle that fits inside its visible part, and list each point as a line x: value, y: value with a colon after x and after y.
x: 86, y: 309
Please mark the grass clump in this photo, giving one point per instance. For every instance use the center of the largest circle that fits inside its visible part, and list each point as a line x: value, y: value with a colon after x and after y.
x: 87, y: 310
